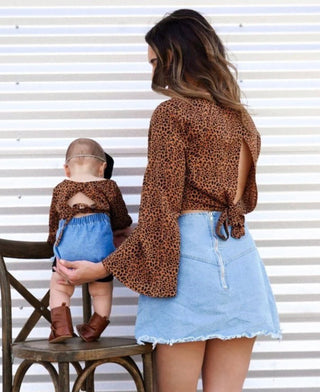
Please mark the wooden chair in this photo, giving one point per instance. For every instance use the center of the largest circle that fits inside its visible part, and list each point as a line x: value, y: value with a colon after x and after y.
x: 84, y: 357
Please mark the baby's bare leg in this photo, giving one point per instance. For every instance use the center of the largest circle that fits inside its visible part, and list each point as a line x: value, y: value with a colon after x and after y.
x: 59, y: 293
x: 61, y: 322
x: 101, y: 293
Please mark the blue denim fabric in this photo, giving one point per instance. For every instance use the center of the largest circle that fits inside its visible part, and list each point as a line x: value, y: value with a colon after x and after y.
x: 223, y: 290
x: 86, y: 238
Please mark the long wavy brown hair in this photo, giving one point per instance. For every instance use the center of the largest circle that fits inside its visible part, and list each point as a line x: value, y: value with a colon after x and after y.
x: 191, y: 60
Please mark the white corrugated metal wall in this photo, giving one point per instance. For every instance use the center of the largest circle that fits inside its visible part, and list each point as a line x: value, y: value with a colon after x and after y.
x: 78, y: 68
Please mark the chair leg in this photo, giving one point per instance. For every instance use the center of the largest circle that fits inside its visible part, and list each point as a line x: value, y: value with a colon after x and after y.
x: 147, y: 372
x: 64, y: 377
x: 89, y: 380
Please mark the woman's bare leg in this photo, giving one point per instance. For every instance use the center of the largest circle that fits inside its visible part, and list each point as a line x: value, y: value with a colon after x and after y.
x: 226, y: 364
x: 178, y: 367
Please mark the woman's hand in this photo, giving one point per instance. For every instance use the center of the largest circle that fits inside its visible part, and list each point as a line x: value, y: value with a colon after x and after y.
x: 78, y: 272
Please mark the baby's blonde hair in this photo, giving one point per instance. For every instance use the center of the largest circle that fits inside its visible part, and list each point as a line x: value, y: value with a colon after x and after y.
x: 84, y: 147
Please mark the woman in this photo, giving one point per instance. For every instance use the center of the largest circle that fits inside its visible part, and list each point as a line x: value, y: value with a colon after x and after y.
x: 204, y: 292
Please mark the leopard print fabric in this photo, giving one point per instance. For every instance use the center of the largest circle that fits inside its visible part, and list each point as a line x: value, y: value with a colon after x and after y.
x: 105, y: 194
x: 193, y: 157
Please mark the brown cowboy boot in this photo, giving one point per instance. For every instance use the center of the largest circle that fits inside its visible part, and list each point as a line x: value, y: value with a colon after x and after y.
x: 61, y: 324
x: 92, y: 330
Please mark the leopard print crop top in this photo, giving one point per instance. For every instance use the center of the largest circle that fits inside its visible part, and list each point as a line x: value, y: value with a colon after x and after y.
x: 105, y: 194
x: 193, y: 157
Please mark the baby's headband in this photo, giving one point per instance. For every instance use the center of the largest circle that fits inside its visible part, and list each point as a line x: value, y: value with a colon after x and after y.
x: 86, y: 155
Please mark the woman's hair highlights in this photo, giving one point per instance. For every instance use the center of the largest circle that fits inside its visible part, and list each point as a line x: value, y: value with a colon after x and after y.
x: 191, y: 60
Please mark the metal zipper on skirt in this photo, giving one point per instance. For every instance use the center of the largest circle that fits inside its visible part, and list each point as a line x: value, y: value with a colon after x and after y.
x: 220, y: 261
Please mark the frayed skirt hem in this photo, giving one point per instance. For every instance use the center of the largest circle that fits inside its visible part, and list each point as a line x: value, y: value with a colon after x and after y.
x: 151, y: 339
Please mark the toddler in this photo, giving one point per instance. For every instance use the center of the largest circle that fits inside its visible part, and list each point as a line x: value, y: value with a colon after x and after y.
x: 87, y: 217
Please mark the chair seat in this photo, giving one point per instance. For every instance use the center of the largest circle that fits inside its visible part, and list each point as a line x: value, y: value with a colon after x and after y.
x: 75, y: 349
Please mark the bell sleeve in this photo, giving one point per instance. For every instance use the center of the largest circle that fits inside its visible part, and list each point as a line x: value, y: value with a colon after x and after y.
x: 148, y: 260
x: 53, y: 220
x: 119, y: 217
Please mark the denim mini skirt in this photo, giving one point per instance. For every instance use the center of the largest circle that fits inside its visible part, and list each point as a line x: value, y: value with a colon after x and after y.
x: 223, y: 290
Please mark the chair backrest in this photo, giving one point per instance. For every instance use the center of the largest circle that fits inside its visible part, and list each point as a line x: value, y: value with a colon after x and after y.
x: 10, y: 249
